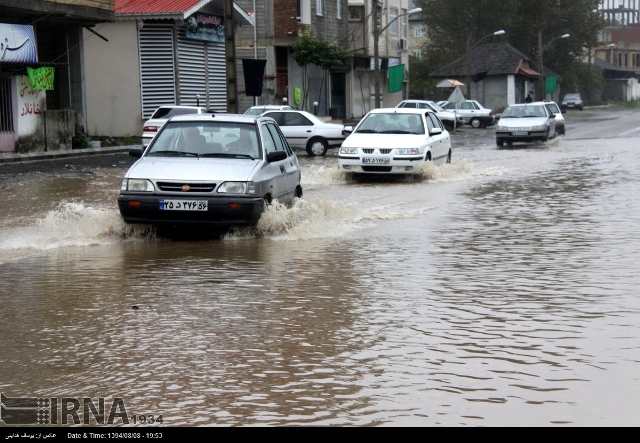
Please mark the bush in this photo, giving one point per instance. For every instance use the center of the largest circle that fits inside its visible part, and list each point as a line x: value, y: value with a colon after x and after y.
x: 80, y: 141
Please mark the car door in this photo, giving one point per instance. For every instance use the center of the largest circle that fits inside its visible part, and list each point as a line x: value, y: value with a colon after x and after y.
x: 441, y: 142
x: 289, y: 168
x: 296, y: 128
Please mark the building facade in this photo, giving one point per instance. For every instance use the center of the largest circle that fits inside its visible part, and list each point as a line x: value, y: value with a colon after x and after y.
x: 42, y: 71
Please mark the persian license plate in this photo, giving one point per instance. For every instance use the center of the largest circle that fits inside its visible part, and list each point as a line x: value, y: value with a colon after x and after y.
x: 375, y: 161
x: 184, y: 205
x: 520, y: 133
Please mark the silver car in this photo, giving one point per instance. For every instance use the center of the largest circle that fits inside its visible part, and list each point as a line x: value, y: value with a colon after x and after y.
x: 210, y: 170
x: 161, y: 115
x: 526, y: 122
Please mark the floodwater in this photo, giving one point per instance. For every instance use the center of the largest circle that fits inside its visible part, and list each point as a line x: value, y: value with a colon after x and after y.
x: 500, y: 290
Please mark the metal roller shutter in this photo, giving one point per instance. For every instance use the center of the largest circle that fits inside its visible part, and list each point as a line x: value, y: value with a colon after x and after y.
x: 157, y: 70
x: 202, y: 71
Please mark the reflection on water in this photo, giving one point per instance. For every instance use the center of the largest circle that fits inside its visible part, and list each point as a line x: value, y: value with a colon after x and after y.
x: 483, y: 295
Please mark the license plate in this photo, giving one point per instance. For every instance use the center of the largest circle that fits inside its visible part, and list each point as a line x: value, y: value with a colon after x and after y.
x: 375, y: 161
x: 570, y: 105
x: 184, y: 205
x: 520, y: 133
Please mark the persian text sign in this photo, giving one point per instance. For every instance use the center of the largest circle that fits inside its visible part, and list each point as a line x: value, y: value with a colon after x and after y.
x: 41, y: 79
x: 17, y: 44
x: 205, y: 27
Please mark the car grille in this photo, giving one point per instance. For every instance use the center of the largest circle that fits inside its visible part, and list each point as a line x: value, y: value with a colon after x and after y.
x: 192, y: 187
x: 376, y: 168
x: 382, y: 151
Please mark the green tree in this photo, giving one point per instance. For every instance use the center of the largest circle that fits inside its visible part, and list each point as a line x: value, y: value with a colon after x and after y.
x: 310, y: 50
x: 448, y: 22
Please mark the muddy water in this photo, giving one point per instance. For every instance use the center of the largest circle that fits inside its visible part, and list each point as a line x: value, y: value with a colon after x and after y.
x: 500, y: 290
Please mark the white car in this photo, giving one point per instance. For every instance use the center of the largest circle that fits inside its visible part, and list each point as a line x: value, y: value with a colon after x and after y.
x: 525, y: 122
x: 161, y: 115
x: 260, y: 109
x: 448, y: 118
x: 557, y: 111
x: 304, y: 130
x: 395, y: 141
x: 210, y: 171
x: 473, y: 112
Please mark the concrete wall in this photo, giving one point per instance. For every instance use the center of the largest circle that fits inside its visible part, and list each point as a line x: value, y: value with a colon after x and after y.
x: 60, y: 129
x: 621, y: 90
x: 28, y: 116
x: 113, y: 80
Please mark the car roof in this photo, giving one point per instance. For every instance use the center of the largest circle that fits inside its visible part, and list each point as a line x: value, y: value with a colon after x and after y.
x: 179, y: 106
x: 400, y: 111
x: 271, y: 107
x: 222, y: 117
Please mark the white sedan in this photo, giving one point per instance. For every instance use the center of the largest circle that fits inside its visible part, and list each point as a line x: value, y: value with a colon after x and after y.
x: 161, y: 115
x: 304, y: 130
x: 395, y: 141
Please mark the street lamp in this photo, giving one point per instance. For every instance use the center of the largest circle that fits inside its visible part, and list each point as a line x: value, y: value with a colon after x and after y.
x: 500, y: 32
x: 376, y: 37
x: 541, y: 51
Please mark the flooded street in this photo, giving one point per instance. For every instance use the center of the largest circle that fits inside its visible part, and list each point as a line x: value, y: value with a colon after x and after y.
x: 501, y: 290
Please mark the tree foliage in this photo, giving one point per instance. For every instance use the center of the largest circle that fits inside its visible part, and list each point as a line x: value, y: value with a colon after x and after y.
x: 447, y: 23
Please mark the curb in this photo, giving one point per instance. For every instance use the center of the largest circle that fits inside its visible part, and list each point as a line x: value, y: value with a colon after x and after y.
x: 54, y: 155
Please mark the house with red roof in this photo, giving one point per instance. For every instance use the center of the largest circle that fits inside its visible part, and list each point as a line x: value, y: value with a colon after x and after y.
x: 155, y: 53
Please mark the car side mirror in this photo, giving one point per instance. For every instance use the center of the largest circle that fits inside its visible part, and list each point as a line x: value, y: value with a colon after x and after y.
x: 136, y: 152
x: 435, y: 131
x: 347, y: 129
x: 276, y: 156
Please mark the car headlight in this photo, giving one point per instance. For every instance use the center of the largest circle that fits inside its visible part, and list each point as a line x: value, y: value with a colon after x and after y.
x: 408, y: 151
x: 538, y: 128
x: 237, y: 188
x: 136, y: 185
x: 348, y: 150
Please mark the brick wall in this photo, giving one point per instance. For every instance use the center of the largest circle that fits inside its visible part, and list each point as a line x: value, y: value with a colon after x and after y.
x: 284, y: 18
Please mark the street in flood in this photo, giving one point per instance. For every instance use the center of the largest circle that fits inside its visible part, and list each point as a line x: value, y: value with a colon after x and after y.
x: 499, y: 290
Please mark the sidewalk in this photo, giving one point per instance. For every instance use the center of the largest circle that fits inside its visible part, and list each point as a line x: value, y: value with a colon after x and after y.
x: 10, y: 157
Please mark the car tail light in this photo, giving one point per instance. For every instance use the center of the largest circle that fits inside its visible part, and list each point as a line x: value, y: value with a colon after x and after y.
x: 150, y: 129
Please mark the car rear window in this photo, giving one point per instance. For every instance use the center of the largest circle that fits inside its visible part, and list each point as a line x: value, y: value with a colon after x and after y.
x: 170, y: 112
x: 572, y: 97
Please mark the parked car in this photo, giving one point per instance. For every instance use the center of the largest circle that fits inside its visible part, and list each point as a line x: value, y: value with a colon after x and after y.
x: 572, y: 101
x: 448, y: 118
x: 525, y: 122
x: 211, y: 171
x: 395, y: 141
x: 473, y: 112
x: 261, y: 109
x: 555, y: 110
x: 304, y: 130
x: 161, y: 115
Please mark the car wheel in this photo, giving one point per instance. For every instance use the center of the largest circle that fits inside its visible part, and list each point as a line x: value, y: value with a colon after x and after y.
x: 475, y: 123
x: 500, y: 143
x: 317, y: 146
x: 298, y: 192
x: 449, y: 157
x: 546, y: 137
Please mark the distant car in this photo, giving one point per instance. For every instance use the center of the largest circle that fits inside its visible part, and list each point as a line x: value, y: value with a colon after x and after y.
x: 161, y: 115
x: 261, y: 109
x: 395, y: 141
x: 526, y: 122
x: 448, y: 118
x: 304, y: 130
x: 555, y: 110
x: 473, y: 112
x: 572, y: 101
x: 210, y: 171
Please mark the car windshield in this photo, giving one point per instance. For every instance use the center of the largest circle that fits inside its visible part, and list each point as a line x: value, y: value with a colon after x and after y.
x: 524, y: 112
x: 170, y: 112
x: 436, y: 107
x: 207, y: 139
x: 572, y: 97
x: 256, y: 111
x: 392, y: 123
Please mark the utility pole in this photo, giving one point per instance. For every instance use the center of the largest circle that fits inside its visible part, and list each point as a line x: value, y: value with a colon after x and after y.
x: 468, y: 61
x: 540, y: 50
x: 376, y: 60
x: 230, y: 56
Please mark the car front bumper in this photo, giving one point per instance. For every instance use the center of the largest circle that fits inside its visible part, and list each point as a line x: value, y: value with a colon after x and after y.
x: 529, y: 137
x: 221, y: 212
x: 396, y: 165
